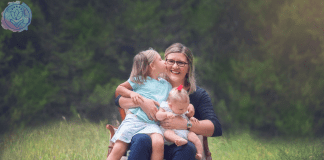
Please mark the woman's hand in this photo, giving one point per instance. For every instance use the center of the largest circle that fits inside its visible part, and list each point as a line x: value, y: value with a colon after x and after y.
x: 149, y: 107
x: 194, y: 120
x: 174, y: 123
x: 136, y: 98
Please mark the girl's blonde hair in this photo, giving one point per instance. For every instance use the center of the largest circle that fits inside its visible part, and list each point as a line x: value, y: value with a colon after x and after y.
x: 190, y: 77
x: 141, y: 64
x: 180, y: 96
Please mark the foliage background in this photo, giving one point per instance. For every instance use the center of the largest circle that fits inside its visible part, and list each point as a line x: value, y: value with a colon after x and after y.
x: 260, y: 61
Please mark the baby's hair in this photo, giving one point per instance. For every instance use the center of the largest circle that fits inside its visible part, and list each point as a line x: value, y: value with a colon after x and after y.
x: 180, y: 96
x: 141, y: 63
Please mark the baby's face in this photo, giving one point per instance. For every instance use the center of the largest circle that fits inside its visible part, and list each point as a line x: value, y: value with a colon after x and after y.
x: 178, y: 107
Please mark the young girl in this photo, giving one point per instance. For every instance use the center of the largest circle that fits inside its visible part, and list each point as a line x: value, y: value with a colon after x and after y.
x: 144, y: 81
x: 178, y: 104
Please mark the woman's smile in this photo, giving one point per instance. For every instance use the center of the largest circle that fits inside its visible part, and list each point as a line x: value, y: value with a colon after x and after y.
x: 174, y: 72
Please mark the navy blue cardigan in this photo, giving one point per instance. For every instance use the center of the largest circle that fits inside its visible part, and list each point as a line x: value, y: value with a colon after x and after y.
x: 203, y: 109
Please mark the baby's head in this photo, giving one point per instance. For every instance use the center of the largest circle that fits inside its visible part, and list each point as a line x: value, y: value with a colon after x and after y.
x: 142, y: 63
x: 178, y: 100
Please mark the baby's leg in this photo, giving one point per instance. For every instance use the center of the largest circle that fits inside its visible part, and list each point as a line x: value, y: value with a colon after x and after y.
x: 172, y: 137
x: 157, y: 146
x: 118, y: 150
x: 192, y: 137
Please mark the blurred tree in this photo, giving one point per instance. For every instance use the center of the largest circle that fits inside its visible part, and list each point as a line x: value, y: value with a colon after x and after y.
x: 283, y: 72
x: 260, y: 61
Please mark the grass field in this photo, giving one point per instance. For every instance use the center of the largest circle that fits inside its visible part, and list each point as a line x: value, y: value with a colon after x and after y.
x: 84, y: 140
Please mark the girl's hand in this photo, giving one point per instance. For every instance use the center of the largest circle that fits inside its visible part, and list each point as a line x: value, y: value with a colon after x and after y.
x: 149, y: 107
x: 136, y: 98
x: 194, y: 120
x: 170, y: 115
x: 191, y: 111
x: 175, y: 123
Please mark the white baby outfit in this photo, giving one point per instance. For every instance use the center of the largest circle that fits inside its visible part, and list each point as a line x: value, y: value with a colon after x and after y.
x: 181, y: 133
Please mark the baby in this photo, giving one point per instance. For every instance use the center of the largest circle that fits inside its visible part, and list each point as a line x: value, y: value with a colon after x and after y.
x: 177, y: 104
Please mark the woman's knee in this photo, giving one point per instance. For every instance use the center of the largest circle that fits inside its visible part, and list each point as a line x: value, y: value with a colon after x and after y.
x: 187, y: 151
x: 142, y: 141
x: 189, y: 148
x: 140, y: 147
x: 157, y: 140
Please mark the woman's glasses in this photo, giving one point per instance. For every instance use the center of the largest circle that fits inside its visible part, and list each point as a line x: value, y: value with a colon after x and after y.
x: 179, y: 63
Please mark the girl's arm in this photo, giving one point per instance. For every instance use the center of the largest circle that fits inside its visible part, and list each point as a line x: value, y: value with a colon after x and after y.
x: 124, y: 90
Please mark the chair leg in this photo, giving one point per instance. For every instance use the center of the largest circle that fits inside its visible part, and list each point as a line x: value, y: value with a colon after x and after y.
x: 206, y: 149
x: 110, y: 147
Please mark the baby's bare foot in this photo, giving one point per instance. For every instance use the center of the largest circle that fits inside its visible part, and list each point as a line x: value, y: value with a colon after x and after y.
x: 198, y: 156
x: 180, y: 142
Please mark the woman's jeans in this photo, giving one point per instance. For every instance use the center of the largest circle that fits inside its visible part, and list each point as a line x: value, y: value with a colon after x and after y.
x: 141, y: 148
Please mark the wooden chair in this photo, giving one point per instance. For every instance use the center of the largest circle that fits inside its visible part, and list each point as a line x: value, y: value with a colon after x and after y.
x: 112, y: 129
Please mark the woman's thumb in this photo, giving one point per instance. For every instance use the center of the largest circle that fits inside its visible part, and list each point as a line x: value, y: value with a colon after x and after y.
x: 156, y: 103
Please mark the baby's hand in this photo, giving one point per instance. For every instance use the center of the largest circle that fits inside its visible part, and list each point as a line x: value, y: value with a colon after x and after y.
x: 170, y: 115
x: 136, y: 98
x: 191, y: 111
x: 194, y: 120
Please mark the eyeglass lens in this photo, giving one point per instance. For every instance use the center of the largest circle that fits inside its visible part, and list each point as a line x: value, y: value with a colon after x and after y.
x: 179, y: 63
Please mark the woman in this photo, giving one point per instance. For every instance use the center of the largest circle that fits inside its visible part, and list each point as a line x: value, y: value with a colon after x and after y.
x: 180, y: 70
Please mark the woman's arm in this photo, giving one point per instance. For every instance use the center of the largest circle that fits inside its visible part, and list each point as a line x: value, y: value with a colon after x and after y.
x: 205, y: 112
x: 148, y: 106
x: 124, y: 89
x: 125, y: 103
x: 204, y: 127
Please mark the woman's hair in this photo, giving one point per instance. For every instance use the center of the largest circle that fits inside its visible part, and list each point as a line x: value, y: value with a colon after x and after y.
x: 141, y: 63
x: 190, y: 77
x: 179, y: 96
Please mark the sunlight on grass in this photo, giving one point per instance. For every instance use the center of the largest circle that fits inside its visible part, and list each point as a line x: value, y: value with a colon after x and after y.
x: 84, y: 140
x: 63, y: 140
x: 243, y: 146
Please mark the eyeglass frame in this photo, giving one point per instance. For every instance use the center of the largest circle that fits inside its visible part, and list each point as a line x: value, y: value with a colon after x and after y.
x: 177, y: 62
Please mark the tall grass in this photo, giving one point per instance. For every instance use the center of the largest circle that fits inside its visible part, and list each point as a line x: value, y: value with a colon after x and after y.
x: 84, y: 140
x: 63, y: 140
x: 244, y: 145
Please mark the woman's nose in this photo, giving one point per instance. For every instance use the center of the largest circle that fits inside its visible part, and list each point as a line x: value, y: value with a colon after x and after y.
x: 175, y: 65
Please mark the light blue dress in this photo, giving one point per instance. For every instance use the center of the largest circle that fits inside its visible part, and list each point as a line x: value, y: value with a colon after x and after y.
x: 181, y: 133
x: 138, y: 122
